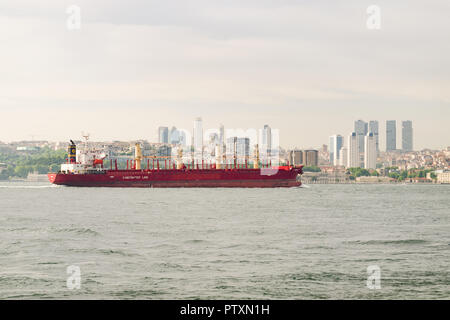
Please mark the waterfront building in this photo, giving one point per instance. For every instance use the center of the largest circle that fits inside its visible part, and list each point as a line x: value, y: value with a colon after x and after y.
x: 374, y: 179
x: 443, y: 177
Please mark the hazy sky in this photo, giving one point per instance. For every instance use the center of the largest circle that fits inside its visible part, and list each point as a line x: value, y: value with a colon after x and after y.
x: 309, y: 68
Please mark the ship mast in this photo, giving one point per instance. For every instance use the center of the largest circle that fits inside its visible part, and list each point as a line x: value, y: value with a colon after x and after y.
x: 86, y: 138
x: 138, y: 156
x: 256, y: 161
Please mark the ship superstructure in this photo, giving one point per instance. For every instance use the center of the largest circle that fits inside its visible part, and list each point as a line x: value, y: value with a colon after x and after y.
x: 81, y: 161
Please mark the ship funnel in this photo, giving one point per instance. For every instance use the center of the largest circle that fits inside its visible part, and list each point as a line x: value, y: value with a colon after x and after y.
x: 72, y: 152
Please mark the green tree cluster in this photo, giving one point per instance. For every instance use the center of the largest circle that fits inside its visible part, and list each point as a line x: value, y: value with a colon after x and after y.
x: 402, y: 175
x: 43, y: 161
x: 358, y: 172
x: 311, y: 169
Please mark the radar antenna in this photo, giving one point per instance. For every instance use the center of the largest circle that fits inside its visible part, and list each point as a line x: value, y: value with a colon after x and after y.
x: 85, y: 136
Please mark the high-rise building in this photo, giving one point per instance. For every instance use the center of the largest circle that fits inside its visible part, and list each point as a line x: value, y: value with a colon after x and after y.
x: 213, y: 141
x: 311, y: 158
x: 353, y: 151
x: 163, y: 135
x: 370, y: 153
x: 407, y: 136
x: 296, y: 157
x: 222, y: 135
x: 361, y: 130
x: 391, y: 135
x: 343, y: 161
x: 374, y: 128
x: 266, y: 140
x: 174, y: 136
x: 181, y: 137
x: 238, y: 146
x: 332, y: 149
x: 336, y: 143
x: 198, y: 138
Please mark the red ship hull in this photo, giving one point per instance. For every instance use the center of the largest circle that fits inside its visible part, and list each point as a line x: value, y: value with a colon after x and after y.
x: 183, y: 178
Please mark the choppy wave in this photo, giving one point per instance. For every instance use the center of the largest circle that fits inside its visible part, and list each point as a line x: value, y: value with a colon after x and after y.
x: 322, y: 276
x: 196, y: 241
x: 115, y: 252
x: 80, y: 231
x: 391, y: 242
x: 30, y: 187
x: 232, y: 244
x: 124, y: 294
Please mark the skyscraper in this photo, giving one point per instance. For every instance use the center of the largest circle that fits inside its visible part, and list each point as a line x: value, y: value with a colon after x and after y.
x: 336, y: 143
x: 343, y: 161
x: 296, y: 157
x: 311, y: 158
x: 198, y: 133
x: 266, y: 140
x: 361, y: 130
x: 222, y: 135
x: 374, y: 128
x: 353, y: 151
x: 182, y: 135
x: 407, y: 136
x: 370, y: 153
x: 198, y: 139
x: 213, y: 139
x: 239, y: 147
x: 163, y: 135
x: 391, y: 135
x: 174, y: 136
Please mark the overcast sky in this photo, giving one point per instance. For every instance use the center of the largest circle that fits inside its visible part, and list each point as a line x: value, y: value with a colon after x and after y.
x: 308, y: 68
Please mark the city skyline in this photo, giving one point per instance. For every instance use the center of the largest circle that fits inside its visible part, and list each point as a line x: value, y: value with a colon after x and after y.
x: 396, y: 138
x: 174, y: 135
x: 130, y: 69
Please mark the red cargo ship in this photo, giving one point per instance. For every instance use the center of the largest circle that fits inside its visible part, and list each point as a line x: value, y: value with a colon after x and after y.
x: 85, y: 169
